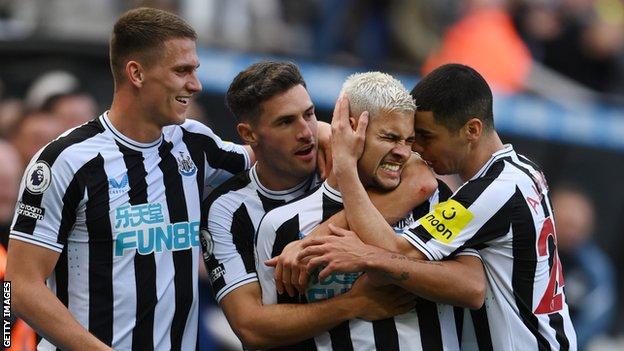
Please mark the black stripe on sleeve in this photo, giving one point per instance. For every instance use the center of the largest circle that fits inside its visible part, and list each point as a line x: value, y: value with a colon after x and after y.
x: 429, y: 325
x: 100, y: 253
x: 470, y: 192
x: 524, y: 266
x: 482, y: 328
x: 243, y: 237
x: 71, y: 199
x: 182, y: 259
x: 218, y: 158
x: 386, y: 336
x: 197, y: 155
x: 61, y: 271
x: 49, y: 155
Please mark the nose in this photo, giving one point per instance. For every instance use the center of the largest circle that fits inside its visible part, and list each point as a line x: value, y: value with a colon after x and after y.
x: 403, y: 151
x: 193, y: 85
x: 304, y: 131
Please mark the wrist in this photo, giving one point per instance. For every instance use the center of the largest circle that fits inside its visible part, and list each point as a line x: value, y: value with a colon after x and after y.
x: 349, y: 305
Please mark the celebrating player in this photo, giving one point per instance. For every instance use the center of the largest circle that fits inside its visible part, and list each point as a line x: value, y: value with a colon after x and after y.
x: 387, y: 149
x: 109, y: 212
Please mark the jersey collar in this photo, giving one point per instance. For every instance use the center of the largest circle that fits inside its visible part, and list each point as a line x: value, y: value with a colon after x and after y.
x: 280, y: 194
x: 504, y: 152
x: 135, y: 145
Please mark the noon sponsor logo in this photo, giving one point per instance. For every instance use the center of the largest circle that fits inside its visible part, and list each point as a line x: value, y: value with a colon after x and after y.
x: 446, y: 220
x: 30, y: 211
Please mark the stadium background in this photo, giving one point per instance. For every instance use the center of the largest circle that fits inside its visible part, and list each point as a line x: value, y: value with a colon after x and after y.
x: 556, y: 66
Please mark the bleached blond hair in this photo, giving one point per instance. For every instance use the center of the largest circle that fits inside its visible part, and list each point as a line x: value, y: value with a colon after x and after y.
x: 376, y: 92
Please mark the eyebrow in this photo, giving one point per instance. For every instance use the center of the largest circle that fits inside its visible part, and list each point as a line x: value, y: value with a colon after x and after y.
x: 309, y: 109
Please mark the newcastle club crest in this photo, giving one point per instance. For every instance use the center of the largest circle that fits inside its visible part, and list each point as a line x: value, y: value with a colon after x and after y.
x: 186, y: 166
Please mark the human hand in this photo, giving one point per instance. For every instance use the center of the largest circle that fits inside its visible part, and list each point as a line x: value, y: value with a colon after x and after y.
x: 341, y: 251
x: 347, y: 144
x: 375, y: 302
x: 290, y: 274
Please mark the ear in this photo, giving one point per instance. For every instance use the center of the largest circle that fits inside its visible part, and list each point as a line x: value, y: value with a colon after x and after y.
x: 473, y: 129
x: 135, y: 72
x: 247, y: 134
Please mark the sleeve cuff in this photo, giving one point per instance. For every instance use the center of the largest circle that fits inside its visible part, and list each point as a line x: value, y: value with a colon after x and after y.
x: 246, y: 279
x: 420, y: 246
x: 31, y: 239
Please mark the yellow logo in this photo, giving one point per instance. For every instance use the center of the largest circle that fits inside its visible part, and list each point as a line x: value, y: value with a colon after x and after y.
x: 446, y: 220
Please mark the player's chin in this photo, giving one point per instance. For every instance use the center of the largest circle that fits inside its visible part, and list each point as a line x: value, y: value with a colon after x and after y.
x: 387, y: 184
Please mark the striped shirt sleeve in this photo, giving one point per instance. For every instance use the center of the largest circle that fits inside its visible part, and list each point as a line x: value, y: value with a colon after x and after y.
x: 47, y: 203
x: 475, y: 214
x: 223, y: 158
x: 226, y: 267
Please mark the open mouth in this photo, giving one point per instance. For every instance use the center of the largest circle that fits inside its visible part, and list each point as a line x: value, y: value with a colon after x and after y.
x: 390, y: 167
x: 184, y: 100
x: 305, y: 151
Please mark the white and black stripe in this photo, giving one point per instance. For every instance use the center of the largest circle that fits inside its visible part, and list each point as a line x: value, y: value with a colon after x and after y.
x: 230, y: 216
x: 124, y: 217
x: 512, y: 227
x: 430, y: 326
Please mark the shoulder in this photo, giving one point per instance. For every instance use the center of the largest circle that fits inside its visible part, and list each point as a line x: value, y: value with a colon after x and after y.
x: 232, y: 189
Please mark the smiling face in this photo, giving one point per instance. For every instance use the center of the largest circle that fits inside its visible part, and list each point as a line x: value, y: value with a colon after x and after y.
x: 285, y: 136
x: 387, y: 148
x: 445, y: 151
x: 170, y: 82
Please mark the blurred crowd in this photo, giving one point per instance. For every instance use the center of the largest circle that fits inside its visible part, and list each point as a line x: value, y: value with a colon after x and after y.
x: 577, y: 44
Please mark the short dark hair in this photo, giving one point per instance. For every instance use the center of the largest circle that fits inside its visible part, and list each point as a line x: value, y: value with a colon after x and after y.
x: 259, y: 83
x: 142, y: 32
x: 455, y: 93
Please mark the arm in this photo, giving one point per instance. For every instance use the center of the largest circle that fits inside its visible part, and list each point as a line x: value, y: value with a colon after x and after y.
x: 28, y: 266
x: 459, y: 281
x: 255, y: 324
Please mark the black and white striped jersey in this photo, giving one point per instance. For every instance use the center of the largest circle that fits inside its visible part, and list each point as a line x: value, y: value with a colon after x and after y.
x: 504, y: 212
x: 430, y: 326
x: 125, y: 219
x: 230, y: 216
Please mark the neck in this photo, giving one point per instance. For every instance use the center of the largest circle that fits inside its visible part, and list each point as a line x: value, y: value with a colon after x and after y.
x: 275, y: 180
x: 131, y: 120
x: 482, y: 152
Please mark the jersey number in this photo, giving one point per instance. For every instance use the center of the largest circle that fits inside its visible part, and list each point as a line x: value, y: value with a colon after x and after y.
x: 552, y: 301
